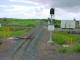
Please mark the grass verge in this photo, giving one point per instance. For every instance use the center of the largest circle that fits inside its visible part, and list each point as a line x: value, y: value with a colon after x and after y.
x: 63, y: 37
x: 70, y: 50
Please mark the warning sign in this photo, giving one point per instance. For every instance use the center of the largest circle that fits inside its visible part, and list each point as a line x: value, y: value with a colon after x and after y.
x: 51, y: 27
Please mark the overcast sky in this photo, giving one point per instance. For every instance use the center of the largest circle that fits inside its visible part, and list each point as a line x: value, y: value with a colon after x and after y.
x: 29, y: 9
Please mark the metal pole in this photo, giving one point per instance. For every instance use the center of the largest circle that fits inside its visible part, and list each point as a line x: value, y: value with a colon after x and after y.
x: 51, y: 18
x: 50, y: 40
x: 50, y: 36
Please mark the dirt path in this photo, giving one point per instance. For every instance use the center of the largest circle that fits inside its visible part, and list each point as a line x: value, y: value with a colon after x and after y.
x: 6, y: 45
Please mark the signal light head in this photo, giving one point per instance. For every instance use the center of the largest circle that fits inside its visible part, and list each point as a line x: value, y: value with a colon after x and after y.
x: 52, y: 11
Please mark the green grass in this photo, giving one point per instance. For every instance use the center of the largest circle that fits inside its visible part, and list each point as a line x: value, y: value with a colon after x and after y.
x: 15, y: 28
x: 70, y: 50
x: 14, y: 31
x: 62, y: 50
x: 76, y: 48
x: 12, y: 34
x: 2, y: 28
x: 21, y: 22
x: 66, y: 50
x: 18, y: 31
x: 63, y: 37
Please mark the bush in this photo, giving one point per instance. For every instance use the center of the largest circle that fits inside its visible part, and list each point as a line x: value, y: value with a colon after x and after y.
x: 0, y: 42
x: 57, y: 25
x: 60, y: 42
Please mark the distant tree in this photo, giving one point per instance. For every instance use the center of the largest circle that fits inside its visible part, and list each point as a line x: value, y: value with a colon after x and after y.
x: 5, y: 19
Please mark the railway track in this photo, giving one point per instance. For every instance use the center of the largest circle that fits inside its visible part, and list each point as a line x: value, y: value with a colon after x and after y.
x: 24, y: 45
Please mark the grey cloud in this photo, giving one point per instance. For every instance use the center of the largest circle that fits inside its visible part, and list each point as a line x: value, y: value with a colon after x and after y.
x: 69, y: 5
x: 65, y: 3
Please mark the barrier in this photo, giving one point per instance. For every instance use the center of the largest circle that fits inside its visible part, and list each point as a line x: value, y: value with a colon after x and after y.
x: 69, y: 42
x: 6, y: 33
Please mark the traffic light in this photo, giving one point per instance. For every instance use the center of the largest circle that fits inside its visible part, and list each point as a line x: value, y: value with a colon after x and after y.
x: 52, y: 11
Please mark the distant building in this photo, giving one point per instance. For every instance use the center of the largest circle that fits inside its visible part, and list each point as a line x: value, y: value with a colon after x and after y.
x: 77, y: 23
x: 68, y: 24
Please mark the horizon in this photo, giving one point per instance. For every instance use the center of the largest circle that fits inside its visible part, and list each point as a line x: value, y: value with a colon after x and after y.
x: 35, y: 19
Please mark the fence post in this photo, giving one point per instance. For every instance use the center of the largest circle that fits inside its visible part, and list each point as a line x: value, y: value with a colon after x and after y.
x: 71, y: 42
x: 4, y: 34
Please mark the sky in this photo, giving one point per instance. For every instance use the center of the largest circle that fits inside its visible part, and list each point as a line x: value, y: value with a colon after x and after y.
x: 40, y: 9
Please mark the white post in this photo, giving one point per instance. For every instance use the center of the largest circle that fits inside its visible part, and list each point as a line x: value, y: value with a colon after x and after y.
x: 51, y: 34
x: 50, y: 40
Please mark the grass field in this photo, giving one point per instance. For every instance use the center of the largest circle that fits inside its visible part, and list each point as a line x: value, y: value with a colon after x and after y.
x: 11, y: 34
x: 18, y: 31
x: 14, y: 31
x: 61, y: 38
x: 21, y: 22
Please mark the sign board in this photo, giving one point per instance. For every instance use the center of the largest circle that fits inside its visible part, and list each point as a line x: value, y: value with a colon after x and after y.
x: 67, y: 24
x: 0, y: 25
x: 50, y: 27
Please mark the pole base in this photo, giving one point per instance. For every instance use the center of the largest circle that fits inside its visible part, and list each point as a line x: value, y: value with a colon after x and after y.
x: 50, y: 41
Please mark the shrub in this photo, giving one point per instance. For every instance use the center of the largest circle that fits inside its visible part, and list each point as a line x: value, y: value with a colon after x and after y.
x: 57, y: 25
x: 60, y: 42
x: 62, y: 50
